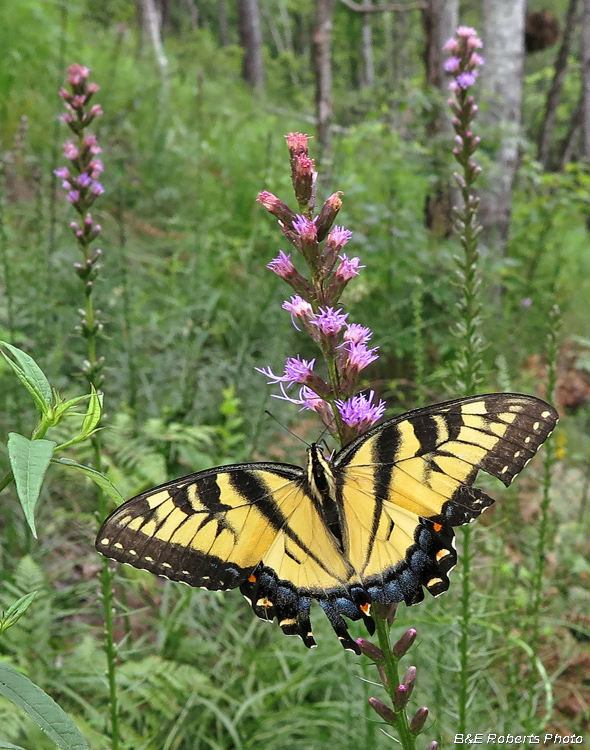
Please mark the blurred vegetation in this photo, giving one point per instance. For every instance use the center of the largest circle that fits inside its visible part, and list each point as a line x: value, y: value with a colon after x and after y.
x: 190, y: 310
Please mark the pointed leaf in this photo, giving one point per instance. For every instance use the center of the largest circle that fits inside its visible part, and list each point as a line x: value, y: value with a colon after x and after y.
x: 105, y: 484
x: 30, y: 375
x: 10, y: 746
x: 93, y: 413
x: 16, y: 611
x: 29, y: 460
x: 41, y: 708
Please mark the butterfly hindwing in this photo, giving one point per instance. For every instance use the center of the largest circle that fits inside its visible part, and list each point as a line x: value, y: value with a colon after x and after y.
x: 374, y: 525
x: 407, y: 482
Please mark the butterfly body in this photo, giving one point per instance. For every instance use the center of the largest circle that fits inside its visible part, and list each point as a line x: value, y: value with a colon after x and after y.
x: 374, y: 524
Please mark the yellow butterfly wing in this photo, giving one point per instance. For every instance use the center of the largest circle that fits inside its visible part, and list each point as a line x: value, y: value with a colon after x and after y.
x: 408, y: 481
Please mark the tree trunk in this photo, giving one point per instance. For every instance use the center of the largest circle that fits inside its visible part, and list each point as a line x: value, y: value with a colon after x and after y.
x: 543, y: 151
x: 223, y: 24
x: 322, y: 57
x: 367, y: 49
x: 586, y: 81
x: 440, y: 19
x: 501, y: 88
x: 251, y: 41
x: 193, y: 14
x: 153, y: 23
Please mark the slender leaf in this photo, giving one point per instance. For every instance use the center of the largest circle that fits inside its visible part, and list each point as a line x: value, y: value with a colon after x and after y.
x: 30, y: 375
x: 10, y: 746
x: 93, y: 413
x: 16, y: 611
x: 105, y: 484
x: 29, y: 460
x: 41, y: 708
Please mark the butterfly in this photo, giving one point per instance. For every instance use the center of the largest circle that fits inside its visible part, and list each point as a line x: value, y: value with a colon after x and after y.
x: 372, y: 524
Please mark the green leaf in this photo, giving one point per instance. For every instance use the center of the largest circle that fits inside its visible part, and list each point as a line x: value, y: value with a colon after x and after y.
x: 10, y: 746
x: 16, y: 611
x: 93, y: 413
x: 41, y: 708
x: 30, y: 375
x: 105, y: 484
x: 29, y: 460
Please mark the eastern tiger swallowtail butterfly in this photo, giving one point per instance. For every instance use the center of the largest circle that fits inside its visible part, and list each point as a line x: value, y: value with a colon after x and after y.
x: 373, y: 524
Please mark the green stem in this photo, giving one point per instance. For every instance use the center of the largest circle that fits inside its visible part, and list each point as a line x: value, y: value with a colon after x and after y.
x: 390, y: 665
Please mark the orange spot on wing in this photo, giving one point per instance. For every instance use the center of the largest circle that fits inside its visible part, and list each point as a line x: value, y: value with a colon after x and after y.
x: 252, y: 578
x: 437, y: 526
x: 366, y: 608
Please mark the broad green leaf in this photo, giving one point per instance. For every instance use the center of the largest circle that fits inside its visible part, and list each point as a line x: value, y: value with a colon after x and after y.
x: 30, y: 375
x: 41, y: 708
x: 16, y: 611
x: 93, y: 413
x: 29, y: 460
x: 105, y: 484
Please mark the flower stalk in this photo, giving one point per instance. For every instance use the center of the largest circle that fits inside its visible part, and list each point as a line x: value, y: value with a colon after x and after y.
x: 81, y: 181
x: 463, y: 64
x: 315, y: 309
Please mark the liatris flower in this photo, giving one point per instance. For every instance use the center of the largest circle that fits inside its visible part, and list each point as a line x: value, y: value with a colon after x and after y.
x: 315, y: 306
x: 80, y: 180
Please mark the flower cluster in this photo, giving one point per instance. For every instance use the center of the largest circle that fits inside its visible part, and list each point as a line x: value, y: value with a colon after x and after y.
x: 464, y: 61
x: 81, y: 181
x: 314, y: 306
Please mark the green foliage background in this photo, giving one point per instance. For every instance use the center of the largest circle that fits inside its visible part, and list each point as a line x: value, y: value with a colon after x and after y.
x: 190, y: 310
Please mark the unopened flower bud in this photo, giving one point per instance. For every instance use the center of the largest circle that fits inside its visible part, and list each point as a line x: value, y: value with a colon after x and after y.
x: 400, y: 697
x: 409, y: 681
x: 384, y: 611
x: 384, y: 711
x: 328, y: 214
x: 277, y: 208
x: 383, y: 676
x: 369, y: 649
x: 417, y: 723
x: 433, y: 745
x: 404, y: 644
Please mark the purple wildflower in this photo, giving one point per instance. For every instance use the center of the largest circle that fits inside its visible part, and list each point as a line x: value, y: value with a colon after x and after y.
x: 309, y: 399
x: 84, y: 180
x: 357, y: 333
x: 348, y: 268
x: 358, y: 357
x: 63, y: 173
x: 466, y: 31
x: 360, y: 412
x: 337, y: 238
x: 476, y: 60
x: 330, y: 321
x: 97, y: 189
x: 73, y: 196
x: 70, y: 151
x: 467, y: 79
x: 296, y: 371
x: 282, y: 266
x: 305, y: 228
x: 299, y: 308
x: 452, y: 64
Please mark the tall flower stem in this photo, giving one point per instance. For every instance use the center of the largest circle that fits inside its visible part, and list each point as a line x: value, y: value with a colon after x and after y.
x: 463, y: 65
x: 315, y: 308
x: 81, y: 180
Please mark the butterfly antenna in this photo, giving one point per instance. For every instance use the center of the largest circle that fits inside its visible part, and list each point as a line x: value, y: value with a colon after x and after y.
x: 278, y: 421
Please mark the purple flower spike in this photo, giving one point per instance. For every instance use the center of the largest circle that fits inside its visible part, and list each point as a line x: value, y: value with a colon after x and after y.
x: 338, y: 237
x: 467, y: 79
x: 330, y: 321
x: 70, y: 151
x: 452, y: 64
x: 360, y: 412
x: 73, y: 196
x: 299, y: 308
x: 84, y: 180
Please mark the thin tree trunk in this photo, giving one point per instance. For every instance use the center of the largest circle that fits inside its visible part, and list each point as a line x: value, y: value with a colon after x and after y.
x: 322, y: 55
x: 193, y: 14
x: 251, y: 41
x: 440, y: 19
x: 586, y: 80
x: 501, y: 86
x: 153, y: 23
x: 223, y: 24
x: 544, y: 145
x: 569, y: 142
x: 367, y: 49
